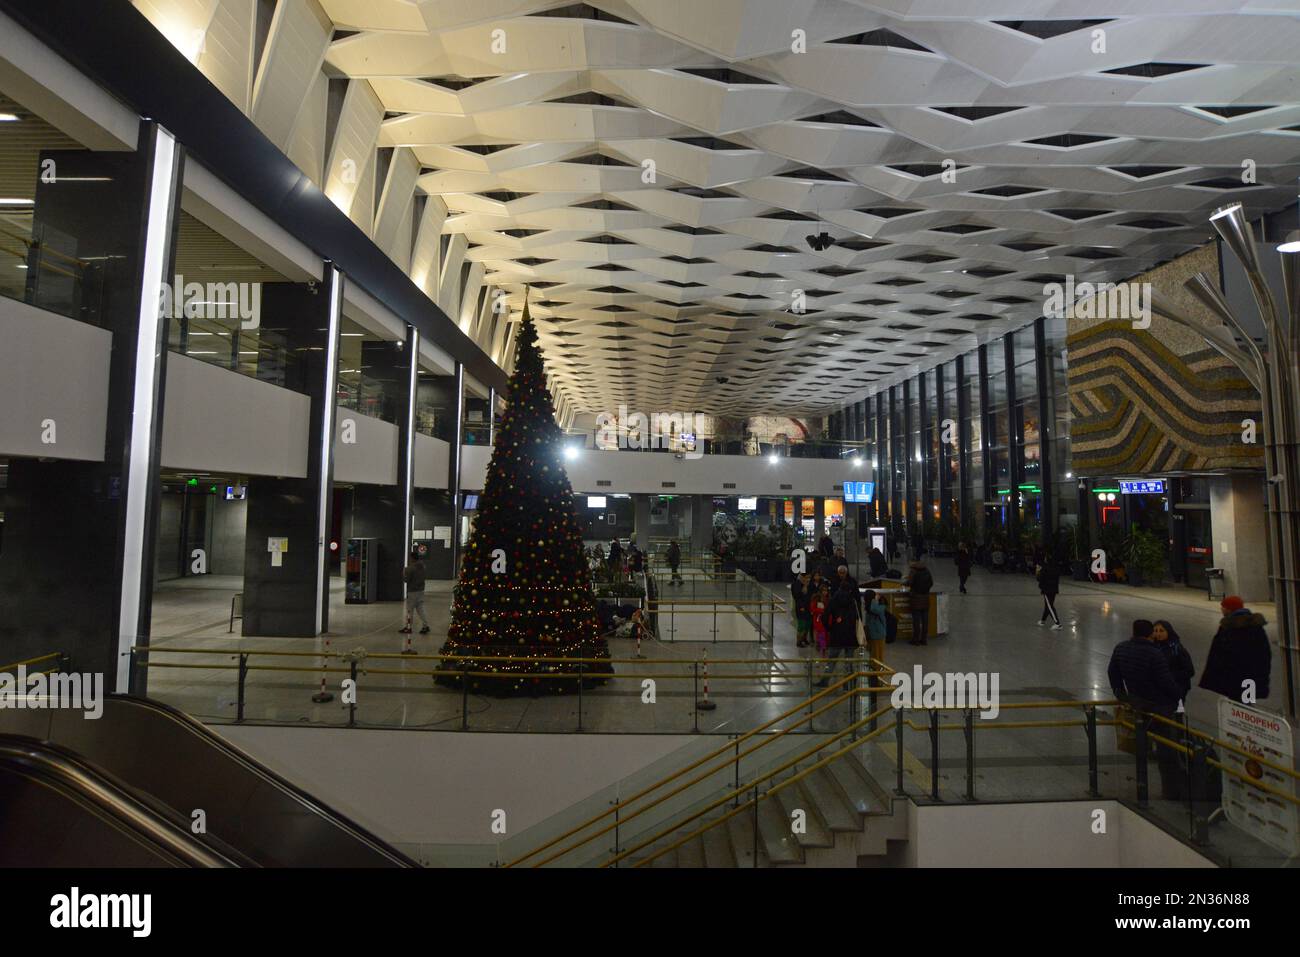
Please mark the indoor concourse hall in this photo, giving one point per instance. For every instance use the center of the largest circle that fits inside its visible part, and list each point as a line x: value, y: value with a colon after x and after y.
x: 643, y: 434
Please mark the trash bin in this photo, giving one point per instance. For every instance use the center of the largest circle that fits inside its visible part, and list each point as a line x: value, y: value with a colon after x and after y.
x: 1214, y: 584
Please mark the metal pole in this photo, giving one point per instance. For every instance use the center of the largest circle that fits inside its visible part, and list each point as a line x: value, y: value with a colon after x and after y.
x: 352, y: 706
x: 243, y: 676
x: 464, y: 696
x: 1091, y: 712
x: 1141, y: 744
x: 934, y: 754
x: 898, y: 747
x: 755, y: 799
x: 695, y: 710
x: 736, y: 786
x: 970, y: 754
x: 580, y: 696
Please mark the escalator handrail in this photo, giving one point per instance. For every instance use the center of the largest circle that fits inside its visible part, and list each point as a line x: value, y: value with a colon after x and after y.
x: 70, y: 774
x: 254, y: 766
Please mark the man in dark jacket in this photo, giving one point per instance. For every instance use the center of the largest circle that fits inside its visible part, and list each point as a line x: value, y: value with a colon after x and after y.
x: 963, y: 565
x: 919, y: 582
x: 800, y: 595
x: 1049, y: 583
x: 1240, y: 653
x: 1140, y: 677
x: 842, y: 628
x: 843, y: 579
x: 674, y: 557
x: 878, y: 563
x: 826, y: 547
x: 615, y: 559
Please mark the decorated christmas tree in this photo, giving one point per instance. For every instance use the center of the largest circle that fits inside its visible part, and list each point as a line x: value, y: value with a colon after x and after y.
x: 525, y: 588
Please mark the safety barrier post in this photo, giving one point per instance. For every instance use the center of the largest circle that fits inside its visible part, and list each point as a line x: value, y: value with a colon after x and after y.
x: 1198, y: 772
x: 322, y: 696
x: 464, y: 695
x: 736, y: 787
x: 352, y: 705
x: 1090, y: 712
x: 240, y: 694
x: 934, y: 754
x: 715, y: 622
x: 969, y: 728
x: 1142, y: 745
x: 579, y: 695
x: 898, y: 747
x: 695, y: 668
x: 706, y: 704
x: 755, y: 799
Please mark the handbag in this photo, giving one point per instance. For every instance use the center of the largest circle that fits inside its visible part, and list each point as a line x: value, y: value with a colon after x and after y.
x: 861, y: 633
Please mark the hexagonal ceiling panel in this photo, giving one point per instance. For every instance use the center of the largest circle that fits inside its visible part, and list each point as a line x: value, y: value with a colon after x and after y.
x: 654, y: 170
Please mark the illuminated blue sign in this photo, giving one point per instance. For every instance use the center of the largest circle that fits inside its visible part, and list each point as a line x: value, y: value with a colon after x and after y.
x: 859, y: 492
x: 1146, y: 487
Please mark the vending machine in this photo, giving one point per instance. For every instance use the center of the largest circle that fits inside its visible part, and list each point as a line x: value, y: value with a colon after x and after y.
x: 361, y: 571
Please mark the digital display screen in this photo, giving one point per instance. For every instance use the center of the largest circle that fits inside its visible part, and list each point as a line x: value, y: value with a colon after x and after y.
x: 1143, y: 487
x: 859, y: 492
x: 747, y: 504
x: 595, y: 501
x: 235, y: 492
x: 471, y: 503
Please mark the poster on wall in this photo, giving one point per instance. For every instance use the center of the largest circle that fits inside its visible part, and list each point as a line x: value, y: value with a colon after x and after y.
x: 1267, y: 738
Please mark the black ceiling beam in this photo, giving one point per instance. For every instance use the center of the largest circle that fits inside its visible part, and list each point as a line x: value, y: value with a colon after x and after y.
x: 117, y: 47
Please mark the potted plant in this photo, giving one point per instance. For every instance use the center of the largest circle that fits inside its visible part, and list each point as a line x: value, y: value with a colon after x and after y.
x: 1144, y: 554
x: 1077, y: 547
x: 1111, y: 540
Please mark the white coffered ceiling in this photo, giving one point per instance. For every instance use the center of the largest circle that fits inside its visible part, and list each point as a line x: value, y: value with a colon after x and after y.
x: 535, y: 121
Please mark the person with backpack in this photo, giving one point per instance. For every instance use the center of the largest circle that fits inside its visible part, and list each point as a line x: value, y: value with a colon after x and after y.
x: 873, y: 617
x: 1049, y: 584
x: 1239, y: 653
x: 919, y: 583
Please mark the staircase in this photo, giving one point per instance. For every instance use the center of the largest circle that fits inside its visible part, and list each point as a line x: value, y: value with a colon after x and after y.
x: 850, y: 821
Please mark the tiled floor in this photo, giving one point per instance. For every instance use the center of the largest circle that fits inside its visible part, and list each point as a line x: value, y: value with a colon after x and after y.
x: 993, y: 629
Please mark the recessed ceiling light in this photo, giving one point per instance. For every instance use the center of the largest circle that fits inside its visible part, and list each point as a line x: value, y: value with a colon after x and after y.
x: 8, y: 118
x: 12, y: 201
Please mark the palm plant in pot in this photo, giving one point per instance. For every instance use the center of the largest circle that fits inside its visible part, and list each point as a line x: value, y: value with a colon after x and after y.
x: 1144, y: 553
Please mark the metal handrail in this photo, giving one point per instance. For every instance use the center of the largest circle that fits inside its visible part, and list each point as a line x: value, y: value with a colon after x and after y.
x: 33, y: 661
x: 618, y: 806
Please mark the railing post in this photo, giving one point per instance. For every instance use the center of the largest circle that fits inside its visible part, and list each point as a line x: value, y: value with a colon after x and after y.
x: 695, y: 706
x: 240, y: 694
x: 811, y: 720
x: 616, y: 830
x: 464, y: 696
x: 1142, y: 745
x: 352, y: 706
x: 715, y: 622
x: 1090, y: 711
x: 970, y: 753
x: 580, y: 696
x: 898, y: 749
x: 755, y: 825
x: 736, y: 786
x: 934, y: 754
x: 1198, y: 771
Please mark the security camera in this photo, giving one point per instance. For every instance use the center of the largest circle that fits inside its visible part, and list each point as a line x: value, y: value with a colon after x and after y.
x: 1276, y: 479
x: 821, y: 241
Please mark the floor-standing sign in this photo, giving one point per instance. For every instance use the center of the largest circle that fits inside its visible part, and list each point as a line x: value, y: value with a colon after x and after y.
x: 1267, y: 737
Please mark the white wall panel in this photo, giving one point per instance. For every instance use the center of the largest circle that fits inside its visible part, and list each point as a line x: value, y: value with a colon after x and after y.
x: 372, y: 458
x: 52, y: 368
x: 218, y: 420
x: 295, y: 49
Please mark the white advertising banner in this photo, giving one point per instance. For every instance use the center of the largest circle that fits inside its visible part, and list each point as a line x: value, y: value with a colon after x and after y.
x: 1267, y: 737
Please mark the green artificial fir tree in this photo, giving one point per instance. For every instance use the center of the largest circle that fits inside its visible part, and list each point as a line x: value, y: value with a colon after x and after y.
x: 525, y: 588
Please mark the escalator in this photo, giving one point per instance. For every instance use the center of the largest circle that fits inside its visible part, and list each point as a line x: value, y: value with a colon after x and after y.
x: 164, y: 754
x: 58, y: 811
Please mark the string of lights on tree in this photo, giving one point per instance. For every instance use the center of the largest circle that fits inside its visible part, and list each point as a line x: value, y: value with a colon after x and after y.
x: 541, y: 604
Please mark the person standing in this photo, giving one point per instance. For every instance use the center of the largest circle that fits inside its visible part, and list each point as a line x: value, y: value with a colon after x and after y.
x: 844, y: 580
x: 800, y: 597
x: 1140, y: 677
x: 878, y: 564
x: 842, y: 631
x: 674, y: 556
x: 1239, y: 653
x: 1049, y: 584
x: 1180, y: 662
x: 818, y: 606
x: 874, y: 619
x: 963, y: 565
x: 414, y: 576
x: 615, y: 560
x: 919, y: 583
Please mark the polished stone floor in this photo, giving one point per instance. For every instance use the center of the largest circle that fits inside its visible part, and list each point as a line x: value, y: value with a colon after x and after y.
x: 993, y: 629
